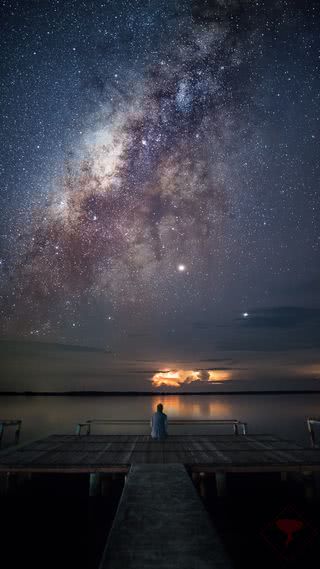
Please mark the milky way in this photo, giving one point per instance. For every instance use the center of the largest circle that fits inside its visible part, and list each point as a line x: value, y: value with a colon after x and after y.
x: 173, y: 202
x: 151, y: 184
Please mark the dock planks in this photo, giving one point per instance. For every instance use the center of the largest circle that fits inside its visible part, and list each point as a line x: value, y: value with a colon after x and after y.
x: 116, y: 453
x: 162, y: 524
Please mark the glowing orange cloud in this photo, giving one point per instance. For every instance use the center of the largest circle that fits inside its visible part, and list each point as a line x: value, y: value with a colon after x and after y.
x: 177, y: 378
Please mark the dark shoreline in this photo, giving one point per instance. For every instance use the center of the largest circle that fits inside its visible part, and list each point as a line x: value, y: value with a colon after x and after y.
x: 148, y: 393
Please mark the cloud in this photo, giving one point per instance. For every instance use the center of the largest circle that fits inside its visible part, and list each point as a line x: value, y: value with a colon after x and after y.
x: 25, y: 347
x: 310, y: 286
x: 215, y: 360
x: 182, y: 377
x: 274, y: 329
x: 138, y: 335
x: 281, y: 317
x: 202, y: 325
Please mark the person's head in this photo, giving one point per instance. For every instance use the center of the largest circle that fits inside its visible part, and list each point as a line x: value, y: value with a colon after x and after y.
x: 160, y: 407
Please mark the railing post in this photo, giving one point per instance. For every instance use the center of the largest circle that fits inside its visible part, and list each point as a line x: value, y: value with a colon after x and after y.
x: 4, y: 483
x: 221, y: 484
x: 308, y: 480
x: 17, y: 433
x: 311, y: 431
x: 10, y: 423
x: 94, y: 484
x: 235, y: 429
x: 202, y: 485
x: 195, y: 477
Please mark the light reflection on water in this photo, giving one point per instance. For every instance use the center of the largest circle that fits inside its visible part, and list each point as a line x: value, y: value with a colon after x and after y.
x: 189, y: 406
x: 284, y: 415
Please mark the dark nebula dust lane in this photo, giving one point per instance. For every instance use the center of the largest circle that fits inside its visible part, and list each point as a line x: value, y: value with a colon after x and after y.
x: 162, y: 171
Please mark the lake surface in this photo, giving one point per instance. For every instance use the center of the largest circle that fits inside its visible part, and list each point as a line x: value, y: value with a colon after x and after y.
x: 284, y: 414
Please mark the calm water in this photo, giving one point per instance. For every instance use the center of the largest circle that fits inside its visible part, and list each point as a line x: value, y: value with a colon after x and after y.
x: 284, y: 415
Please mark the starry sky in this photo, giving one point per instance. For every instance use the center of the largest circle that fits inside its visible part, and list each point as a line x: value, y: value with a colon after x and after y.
x: 159, y: 199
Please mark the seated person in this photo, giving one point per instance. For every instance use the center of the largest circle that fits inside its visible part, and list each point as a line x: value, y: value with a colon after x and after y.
x: 159, y: 424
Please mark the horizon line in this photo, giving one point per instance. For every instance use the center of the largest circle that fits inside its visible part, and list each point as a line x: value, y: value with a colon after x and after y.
x: 136, y: 393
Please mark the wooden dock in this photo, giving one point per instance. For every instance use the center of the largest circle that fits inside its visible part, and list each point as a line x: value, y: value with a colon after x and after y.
x: 202, y: 453
x: 162, y: 524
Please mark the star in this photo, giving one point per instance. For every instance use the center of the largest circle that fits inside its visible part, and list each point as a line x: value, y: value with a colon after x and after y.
x: 181, y: 268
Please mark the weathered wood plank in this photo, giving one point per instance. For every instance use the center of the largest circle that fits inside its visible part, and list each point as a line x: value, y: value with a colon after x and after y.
x: 72, y: 451
x: 19, y: 458
x: 161, y: 523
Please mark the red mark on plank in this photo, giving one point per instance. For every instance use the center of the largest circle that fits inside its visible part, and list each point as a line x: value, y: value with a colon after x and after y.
x: 289, y: 527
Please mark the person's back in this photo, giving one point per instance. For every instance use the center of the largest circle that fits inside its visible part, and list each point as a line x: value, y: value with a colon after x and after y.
x: 159, y: 424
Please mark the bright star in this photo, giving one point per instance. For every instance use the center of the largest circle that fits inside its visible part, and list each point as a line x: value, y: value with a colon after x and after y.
x: 245, y: 314
x: 181, y: 268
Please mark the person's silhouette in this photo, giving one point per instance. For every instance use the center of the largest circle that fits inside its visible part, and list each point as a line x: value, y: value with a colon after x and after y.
x: 159, y: 424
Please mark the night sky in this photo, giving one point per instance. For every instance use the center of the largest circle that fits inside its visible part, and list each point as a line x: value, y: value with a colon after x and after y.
x: 160, y: 194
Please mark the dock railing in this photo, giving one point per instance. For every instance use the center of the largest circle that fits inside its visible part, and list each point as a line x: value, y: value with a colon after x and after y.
x: 311, y: 422
x: 86, y: 426
x: 4, y: 423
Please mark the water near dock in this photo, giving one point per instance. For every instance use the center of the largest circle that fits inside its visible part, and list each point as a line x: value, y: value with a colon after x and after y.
x: 283, y: 415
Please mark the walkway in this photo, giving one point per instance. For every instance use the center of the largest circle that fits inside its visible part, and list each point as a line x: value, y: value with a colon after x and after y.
x: 162, y: 524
